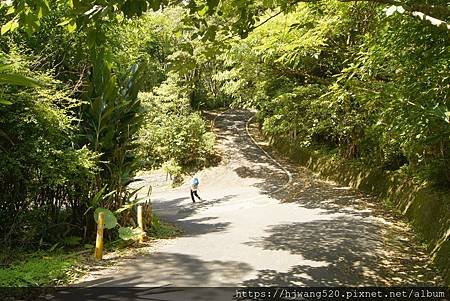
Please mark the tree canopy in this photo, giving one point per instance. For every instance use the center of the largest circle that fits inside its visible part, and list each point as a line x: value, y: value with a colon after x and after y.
x: 91, y: 92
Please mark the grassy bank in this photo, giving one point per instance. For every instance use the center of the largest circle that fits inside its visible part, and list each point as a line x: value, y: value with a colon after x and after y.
x: 426, y: 207
x: 40, y: 269
x: 63, y: 266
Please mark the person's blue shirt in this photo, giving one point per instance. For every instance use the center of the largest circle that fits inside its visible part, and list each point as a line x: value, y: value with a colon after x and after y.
x: 194, y: 183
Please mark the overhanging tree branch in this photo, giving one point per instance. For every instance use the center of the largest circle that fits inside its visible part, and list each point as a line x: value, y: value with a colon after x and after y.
x: 430, y: 13
x: 432, y: 20
x: 281, y: 11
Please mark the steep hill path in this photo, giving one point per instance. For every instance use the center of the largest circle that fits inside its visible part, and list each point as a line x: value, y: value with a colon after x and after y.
x: 266, y: 224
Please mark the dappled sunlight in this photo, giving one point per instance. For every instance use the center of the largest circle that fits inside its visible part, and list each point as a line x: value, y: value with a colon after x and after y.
x: 275, y: 115
x: 359, y: 251
x: 249, y: 232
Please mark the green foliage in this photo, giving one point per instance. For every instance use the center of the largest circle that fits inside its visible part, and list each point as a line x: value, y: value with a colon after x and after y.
x: 129, y: 233
x: 63, y: 145
x: 38, y: 130
x: 171, y: 167
x: 162, y: 230
x: 87, y: 123
x: 27, y: 15
x: 10, y: 76
x: 368, y: 81
x: 110, y: 218
x: 147, y: 41
x: 71, y: 241
x: 351, y: 79
x: 172, y: 133
x: 41, y: 269
x: 123, y: 213
x: 110, y: 123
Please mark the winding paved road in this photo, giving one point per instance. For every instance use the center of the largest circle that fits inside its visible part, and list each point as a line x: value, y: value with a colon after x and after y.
x: 313, y: 233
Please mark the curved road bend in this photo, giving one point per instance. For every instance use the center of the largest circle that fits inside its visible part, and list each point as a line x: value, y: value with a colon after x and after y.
x: 314, y: 233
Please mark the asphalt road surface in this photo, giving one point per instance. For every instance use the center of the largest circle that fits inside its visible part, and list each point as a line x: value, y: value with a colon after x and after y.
x: 259, y: 227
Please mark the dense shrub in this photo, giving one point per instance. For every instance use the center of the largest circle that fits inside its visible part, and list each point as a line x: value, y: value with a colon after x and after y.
x: 42, y: 171
x: 172, y: 131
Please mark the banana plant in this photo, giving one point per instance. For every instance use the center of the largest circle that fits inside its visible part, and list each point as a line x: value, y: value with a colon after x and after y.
x: 110, y: 124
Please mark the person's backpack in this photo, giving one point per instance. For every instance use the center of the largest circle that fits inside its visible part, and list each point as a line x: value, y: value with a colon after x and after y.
x: 195, y: 181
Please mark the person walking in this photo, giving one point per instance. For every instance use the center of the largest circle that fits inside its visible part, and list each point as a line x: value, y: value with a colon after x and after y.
x: 194, y: 188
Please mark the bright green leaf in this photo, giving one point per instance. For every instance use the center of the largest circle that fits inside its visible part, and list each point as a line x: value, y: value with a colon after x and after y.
x: 110, y: 219
x: 72, y: 26
x: 9, y: 26
x: 65, y: 22
x: 10, y: 11
x: 5, y: 102
x: 202, y: 11
x: 127, y: 233
x: 18, y: 80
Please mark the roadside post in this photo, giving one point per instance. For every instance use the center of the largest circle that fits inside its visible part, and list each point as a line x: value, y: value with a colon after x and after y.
x: 99, y: 241
x: 140, y: 222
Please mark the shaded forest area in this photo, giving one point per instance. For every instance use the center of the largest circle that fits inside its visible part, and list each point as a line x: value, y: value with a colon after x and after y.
x: 93, y: 91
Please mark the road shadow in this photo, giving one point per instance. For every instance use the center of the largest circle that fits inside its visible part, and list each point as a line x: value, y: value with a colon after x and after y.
x: 353, y: 241
x: 181, y: 269
x: 358, y: 251
x: 162, y: 293
x: 179, y: 211
x: 269, y: 180
x: 252, y: 162
x: 366, y: 245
